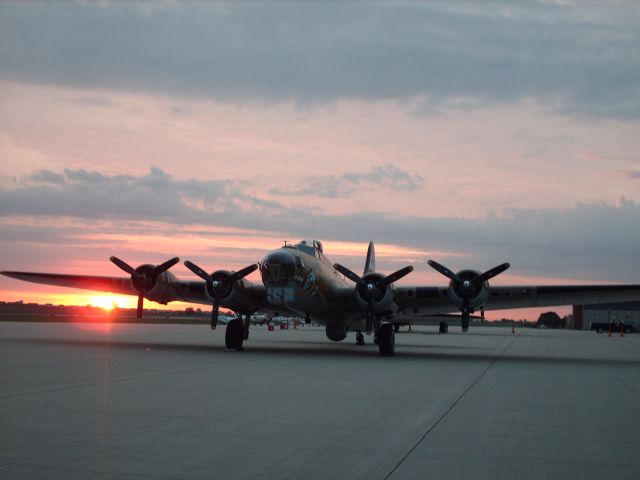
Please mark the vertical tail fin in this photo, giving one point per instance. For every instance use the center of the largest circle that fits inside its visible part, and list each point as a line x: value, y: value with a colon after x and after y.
x: 370, y: 264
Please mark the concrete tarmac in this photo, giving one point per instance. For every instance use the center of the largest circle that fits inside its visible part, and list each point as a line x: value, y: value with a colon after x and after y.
x: 168, y: 402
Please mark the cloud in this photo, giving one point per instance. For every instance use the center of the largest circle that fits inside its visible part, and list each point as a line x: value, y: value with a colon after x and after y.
x: 388, y: 176
x: 45, y: 177
x: 385, y: 176
x: 587, y: 241
x: 579, y: 59
x: 91, y: 194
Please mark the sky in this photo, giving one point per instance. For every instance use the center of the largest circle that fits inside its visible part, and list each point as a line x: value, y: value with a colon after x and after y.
x: 472, y: 133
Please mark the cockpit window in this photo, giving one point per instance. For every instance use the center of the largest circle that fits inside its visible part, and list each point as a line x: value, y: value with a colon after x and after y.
x: 310, y: 247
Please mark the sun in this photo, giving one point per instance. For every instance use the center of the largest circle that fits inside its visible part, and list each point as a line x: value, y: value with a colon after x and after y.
x: 106, y: 302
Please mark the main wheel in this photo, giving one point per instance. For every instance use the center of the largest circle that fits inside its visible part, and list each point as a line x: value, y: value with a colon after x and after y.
x: 386, y: 340
x: 233, y: 335
x: 359, y: 338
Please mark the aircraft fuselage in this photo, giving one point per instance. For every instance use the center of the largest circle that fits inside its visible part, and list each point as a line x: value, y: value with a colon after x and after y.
x: 300, y: 278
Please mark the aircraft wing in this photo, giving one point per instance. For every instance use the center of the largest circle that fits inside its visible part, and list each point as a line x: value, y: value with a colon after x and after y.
x: 85, y: 282
x: 168, y: 289
x: 550, y: 296
x: 419, y: 301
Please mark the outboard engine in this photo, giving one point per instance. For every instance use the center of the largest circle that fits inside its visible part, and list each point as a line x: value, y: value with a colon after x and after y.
x: 151, y: 281
x: 468, y: 289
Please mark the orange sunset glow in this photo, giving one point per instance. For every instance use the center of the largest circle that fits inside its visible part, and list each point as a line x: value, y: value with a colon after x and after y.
x: 421, y: 146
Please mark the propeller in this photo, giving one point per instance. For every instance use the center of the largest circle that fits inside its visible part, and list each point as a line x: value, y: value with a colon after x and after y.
x: 467, y: 288
x: 372, y: 288
x: 144, y: 277
x: 219, y: 284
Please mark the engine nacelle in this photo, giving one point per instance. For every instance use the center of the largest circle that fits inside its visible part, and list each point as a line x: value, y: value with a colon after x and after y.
x: 477, y: 297
x: 384, y: 297
x: 163, y: 290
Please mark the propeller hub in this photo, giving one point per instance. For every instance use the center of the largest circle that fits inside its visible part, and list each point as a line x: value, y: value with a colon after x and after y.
x: 215, y: 284
x: 370, y: 287
x: 466, y: 284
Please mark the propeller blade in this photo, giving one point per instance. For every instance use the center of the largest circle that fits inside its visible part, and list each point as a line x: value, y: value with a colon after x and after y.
x: 198, y: 271
x: 395, y: 276
x: 123, y: 265
x: 465, y: 320
x: 491, y: 273
x: 214, y: 311
x: 444, y: 271
x: 163, y: 267
x: 242, y: 273
x: 214, y: 317
x: 140, y: 302
x: 349, y: 274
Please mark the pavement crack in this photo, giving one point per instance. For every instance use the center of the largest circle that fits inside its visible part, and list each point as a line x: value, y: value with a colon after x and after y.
x: 448, y: 410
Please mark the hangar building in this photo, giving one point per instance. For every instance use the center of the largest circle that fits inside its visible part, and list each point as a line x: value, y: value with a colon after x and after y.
x: 628, y: 312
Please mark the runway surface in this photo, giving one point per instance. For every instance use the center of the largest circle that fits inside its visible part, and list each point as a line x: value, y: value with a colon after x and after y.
x: 167, y: 401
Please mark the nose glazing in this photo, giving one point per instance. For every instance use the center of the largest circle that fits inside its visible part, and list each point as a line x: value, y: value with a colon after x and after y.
x: 277, y: 268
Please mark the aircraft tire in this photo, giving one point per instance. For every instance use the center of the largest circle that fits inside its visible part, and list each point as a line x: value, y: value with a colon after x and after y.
x: 387, y: 340
x: 233, y: 335
x: 359, y: 338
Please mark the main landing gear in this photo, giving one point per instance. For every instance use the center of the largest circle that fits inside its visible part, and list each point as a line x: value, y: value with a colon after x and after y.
x: 386, y: 340
x: 384, y: 337
x: 237, y: 331
x: 233, y: 336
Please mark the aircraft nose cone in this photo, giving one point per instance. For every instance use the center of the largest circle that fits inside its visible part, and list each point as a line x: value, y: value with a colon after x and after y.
x: 277, y: 267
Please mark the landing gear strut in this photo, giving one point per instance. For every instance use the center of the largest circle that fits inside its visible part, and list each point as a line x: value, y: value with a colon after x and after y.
x: 386, y: 340
x: 465, y: 324
x: 245, y: 327
x: 359, y: 338
x: 376, y: 331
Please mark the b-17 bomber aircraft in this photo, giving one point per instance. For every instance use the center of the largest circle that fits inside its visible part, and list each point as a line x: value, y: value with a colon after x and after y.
x: 299, y: 280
